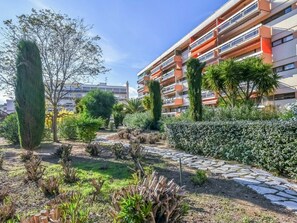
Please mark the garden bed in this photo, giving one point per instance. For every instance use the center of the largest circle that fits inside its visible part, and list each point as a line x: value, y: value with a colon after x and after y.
x: 218, y: 200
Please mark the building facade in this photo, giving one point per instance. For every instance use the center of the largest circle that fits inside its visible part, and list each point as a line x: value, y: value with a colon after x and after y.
x: 77, y: 91
x: 239, y: 29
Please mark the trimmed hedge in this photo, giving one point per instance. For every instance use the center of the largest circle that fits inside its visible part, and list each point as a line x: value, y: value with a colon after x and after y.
x: 269, y: 144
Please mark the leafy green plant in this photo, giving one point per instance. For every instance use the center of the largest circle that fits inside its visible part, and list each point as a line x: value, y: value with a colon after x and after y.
x: 69, y: 173
x: 97, y: 185
x: 87, y: 128
x: 94, y: 149
x: 67, y: 127
x: 141, y: 121
x: 64, y: 152
x: 269, y: 144
x: 50, y: 186
x: 34, y: 169
x: 119, y: 151
x: 9, y: 129
x: 26, y: 156
x: 118, y: 114
x: 133, y: 105
x: 199, y: 178
x: 29, y: 95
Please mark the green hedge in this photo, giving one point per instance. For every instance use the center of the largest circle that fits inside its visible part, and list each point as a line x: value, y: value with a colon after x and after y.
x: 269, y: 144
x: 142, y: 120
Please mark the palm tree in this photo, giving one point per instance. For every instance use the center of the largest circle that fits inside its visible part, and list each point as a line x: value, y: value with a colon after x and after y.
x: 133, y: 105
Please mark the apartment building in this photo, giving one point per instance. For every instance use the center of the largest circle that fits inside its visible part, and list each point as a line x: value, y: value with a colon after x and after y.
x: 77, y: 91
x: 239, y: 29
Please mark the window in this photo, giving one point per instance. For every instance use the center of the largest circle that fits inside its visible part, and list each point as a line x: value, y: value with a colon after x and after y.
x: 277, y: 15
x: 286, y: 67
x: 289, y: 66
x: 283, y: 40
x: 289, y: 9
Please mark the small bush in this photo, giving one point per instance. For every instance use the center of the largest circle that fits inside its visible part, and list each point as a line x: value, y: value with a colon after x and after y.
x: 269, y: 144
x: 97, y: 185
x: 64, y: 152
x: 7, y: 210
x: 34, y: 169
x: 68, y: 127
x: 144, y: 203
x: 136, y: 151
x: 69, y: 173
x: 88, y: 127
x: 9, y: 129
x: 199, y: 178
x: 26, y: 156
x: 119, y: 151
x: 50, y: 186
x: 94, y: 149
x: 138, y: 121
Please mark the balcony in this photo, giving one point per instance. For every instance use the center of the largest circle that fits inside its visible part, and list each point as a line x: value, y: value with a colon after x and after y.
x: 185, y: 56
x: 202, y: 40
x: 169, y: 89
x: 207, y: 56
x: 143, y: 78
x: 177, y: 101
x: 170, y: 114
x: 168, y: 62
x: 168, y: 75
x: 207, y: 94
x: 239, y: 40
x: 257, y: 54
x: 156, y: 69
x: 240, y: 16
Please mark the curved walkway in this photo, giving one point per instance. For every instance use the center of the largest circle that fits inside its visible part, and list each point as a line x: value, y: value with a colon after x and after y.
x: 277, y: 190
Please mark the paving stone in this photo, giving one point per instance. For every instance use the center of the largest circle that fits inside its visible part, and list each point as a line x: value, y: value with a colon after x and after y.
x: 291, y: 192
x: 232, y: 175
x: 280, y: 188
x: 262, y: 190
x: 246, y: 181
x: 286, y: 195
x: 288, y: 204
x: 274, y: 198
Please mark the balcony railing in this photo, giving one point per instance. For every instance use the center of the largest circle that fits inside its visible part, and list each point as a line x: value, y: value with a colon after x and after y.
x: 168, y: 101
x: 155, y: 69
x: 168, y: 61
x: 168, y: 89
x: 239, y: 40
x: 208, y: 94
x: 249, y: 9
x: 201, y: 40
x: 158, y: 79
x: 140, y: 87
x: 168, y: 75
x: 257, y: 54
x: 206, y: 56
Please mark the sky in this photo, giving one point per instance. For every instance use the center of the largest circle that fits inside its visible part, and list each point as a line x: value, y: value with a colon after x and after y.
x: 133, y: 32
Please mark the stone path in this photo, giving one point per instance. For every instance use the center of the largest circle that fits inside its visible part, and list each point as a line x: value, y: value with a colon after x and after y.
x: 277, y: 190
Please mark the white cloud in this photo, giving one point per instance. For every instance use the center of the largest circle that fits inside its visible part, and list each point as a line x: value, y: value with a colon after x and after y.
x: 110, y: 53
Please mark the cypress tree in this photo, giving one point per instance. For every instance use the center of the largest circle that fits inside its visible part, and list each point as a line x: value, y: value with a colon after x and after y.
x: 156, y: 101
x: 29, y: 95
x: 194, y: 78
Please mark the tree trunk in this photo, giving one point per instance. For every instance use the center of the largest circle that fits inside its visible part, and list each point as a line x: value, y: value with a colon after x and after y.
x: 54, y: 123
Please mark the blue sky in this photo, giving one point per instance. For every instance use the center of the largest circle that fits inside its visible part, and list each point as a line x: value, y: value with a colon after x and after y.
x: 133, y: 32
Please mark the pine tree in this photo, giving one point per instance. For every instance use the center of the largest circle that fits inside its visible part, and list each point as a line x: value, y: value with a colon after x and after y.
x: 194, y: 78
x: 156, y: 102
x: 29, y: 95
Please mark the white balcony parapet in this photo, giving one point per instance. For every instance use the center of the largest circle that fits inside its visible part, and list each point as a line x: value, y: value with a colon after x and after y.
x: 257, y: 54
x: 202, y: 39
x: 185, y: 55
x: 243, y: 13
x: 168, y: 101
x: 242, y: 38
x: 207, y: 94
x: 206, y: 56
x: 169, y: 88
x: 168, y: 61
x: 169, y: 113
x: 168, y: 75
x: 156, y: 69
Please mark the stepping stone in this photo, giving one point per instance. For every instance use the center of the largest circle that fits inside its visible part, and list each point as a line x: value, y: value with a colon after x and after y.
x: 291, y: 205
x: 288, y: 196
x: 274, y: 198
x: 232, y: 175
x: 280, y: 188
x: 246, y: 181
x: 291, y: 192
x: 262, y: 190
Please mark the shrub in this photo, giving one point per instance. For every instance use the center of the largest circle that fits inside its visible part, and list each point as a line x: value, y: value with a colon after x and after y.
x: 138, y: 121
x: 7, y: 210
x: 50, y: 186
x: 118, y: 114
x: 93, y: 149
x: 26, y: 156
x: 87, y: 128
x: 34, y: 169
x: 136, y: 151
x: 97, y: 185
x: 63, y: 152
x: 154, y: 199
x: 67, y: 127
x: 119, y: 151
x: 9, y: 129
x: 269, y: 144
x: 199, y: 178
x: 29, y: 94
x: 69, y: 173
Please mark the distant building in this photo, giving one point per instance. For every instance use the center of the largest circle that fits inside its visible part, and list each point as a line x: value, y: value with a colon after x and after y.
x: 8, y: 107
x: 77, y: 91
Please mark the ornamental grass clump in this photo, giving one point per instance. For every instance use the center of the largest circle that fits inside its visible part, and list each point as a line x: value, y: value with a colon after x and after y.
x: 34, y: 169
x: 154, y: 199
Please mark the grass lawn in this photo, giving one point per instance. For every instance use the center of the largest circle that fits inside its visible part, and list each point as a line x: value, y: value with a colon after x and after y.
x: 218, y: 200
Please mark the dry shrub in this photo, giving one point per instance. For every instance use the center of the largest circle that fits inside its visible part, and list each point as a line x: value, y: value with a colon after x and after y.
x: 69, y: 173
x: 50, y: 186
x: 26, y: 156
x: 94, y: 149
x: 119, y: 151
x: 34, y: 169
x: 7, y: 210
x: 97, y: 185
x: 64, y: 152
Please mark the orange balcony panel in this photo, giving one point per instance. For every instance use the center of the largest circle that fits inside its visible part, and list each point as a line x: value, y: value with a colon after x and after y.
x: 178, y: 74
x: 168, y: 81
x: 204, y: 47
x: 145, y: 89
x: 178, y: 87
x: 178, y: 102
x: 266, y: 45
x: 264, y: 5
x: 243, y: 49
x: 156, y: 74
